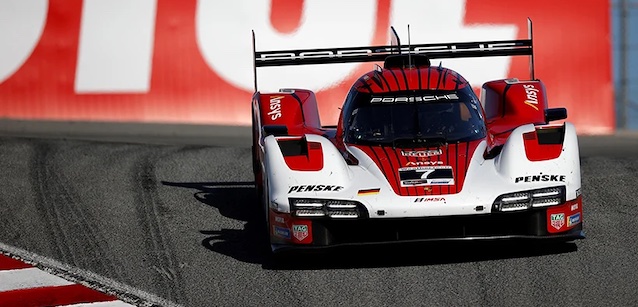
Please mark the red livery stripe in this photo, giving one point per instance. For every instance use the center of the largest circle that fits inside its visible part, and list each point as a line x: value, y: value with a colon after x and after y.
x: 53, y: 296
x: 390, y: 160
x: 23, y: 285
x: 8, y: 263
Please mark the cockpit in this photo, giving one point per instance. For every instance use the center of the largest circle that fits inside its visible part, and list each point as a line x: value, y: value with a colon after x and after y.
x: 413, y: 117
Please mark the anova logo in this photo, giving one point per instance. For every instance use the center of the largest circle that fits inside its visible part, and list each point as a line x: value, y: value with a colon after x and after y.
x: 532, y: 96
x: 275, y: 107
x: 423, y: 163
x: 116, y: 41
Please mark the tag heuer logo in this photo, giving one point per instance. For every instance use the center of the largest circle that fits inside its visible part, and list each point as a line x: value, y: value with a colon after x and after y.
x: 300, y: 232
x: 557, y: 220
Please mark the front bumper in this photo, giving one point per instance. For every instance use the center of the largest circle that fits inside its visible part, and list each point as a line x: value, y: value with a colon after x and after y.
x: 556, y: 222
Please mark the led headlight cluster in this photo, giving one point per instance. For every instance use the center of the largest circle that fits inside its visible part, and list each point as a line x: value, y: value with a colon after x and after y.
x: 530, y: 199
x: 338, y: 209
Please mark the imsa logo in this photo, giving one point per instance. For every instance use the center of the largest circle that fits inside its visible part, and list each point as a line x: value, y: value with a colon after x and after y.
x: 429, y: 199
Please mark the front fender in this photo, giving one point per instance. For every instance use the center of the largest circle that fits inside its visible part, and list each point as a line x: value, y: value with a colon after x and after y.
x: 515, y: 165
x: 333, y: 177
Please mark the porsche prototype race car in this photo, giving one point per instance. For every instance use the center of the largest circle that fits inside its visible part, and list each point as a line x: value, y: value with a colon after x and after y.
x: 416, y: 155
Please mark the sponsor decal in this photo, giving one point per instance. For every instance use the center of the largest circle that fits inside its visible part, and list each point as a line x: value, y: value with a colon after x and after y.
x: 275, y: 107
x: 538, y: 178
x: 315, y: 188
x: 426, y: 175
x: 532, y: 96
x: 368, y: 192
x: 574, y: 207
x: 280, y: 219
x: 557, y: 220
x: 281, y: 232
x: 577, y: 192
x: 422, y: 153
x: 423, y: 163
x: 300, y: 231
x: 573, y: 219
x: 410, y: 99
x: 429, y: 199
x: 354, y: 52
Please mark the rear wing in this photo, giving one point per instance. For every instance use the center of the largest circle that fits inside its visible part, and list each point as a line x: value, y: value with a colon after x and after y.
x: 379, y: 53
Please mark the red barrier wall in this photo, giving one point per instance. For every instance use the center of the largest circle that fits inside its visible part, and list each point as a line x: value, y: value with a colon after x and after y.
x: 186, y: 61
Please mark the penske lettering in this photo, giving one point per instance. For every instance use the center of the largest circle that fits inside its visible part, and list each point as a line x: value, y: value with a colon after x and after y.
x: 532, y: 96
x: 410, y: 99
x: 315, y: 188
x: 275, y: 107
x: 539, y: 178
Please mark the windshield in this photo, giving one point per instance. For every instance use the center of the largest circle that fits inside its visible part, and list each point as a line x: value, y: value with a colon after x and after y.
x: 421, y: 117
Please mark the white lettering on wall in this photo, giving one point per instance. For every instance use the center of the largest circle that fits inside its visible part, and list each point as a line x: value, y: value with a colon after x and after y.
x: 224, y: 38
x: 116, y: 46
x: 21, y: 25
x: 442, y: 22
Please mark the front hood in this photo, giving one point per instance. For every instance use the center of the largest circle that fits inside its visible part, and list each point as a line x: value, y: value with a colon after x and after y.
x: 423, y: 170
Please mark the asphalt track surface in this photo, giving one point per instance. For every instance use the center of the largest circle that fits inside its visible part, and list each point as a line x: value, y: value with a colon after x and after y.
x: 181, y: 222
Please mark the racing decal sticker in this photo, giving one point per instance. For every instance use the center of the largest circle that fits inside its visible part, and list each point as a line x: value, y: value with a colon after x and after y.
x: 280, y: 219
x: 426, y: 175
x: 300, y: 232
x: 275, y: 107
x: 423, y: 163
x: 422, y: 153
x: 412, y: 99
x: 390, y: 160
x: 368, y: 192
x: 532, y: 96
x: 573, y: 219
x: 574, y: 207
x: 429, y: 199
x: 557, y: 220
x: 537, y: 178
x: 281, y: 232
x: 315, y: 188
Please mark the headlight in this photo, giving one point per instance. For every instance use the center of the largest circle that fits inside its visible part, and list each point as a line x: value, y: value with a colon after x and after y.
x: 332, y: 208
x: 530, y: 199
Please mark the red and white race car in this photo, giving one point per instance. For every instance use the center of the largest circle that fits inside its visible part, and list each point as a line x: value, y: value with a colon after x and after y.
x: 416, y: 155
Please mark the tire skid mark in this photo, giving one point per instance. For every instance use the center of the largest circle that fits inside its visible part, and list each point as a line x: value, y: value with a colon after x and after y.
x: 7, y: 226
x: 148, y: 207
x: 74, y: 236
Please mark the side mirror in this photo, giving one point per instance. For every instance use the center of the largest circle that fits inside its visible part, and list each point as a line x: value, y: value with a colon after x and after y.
x: 555, y: 114
x: 276, y: 130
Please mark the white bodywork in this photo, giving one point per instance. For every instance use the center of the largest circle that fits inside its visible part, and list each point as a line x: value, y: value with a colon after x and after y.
x: 486, y: 179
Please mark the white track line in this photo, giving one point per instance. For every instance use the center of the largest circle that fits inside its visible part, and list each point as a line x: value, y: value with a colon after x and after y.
x: 101, y: 304
x: 29, y: 278
x: 98, y: 282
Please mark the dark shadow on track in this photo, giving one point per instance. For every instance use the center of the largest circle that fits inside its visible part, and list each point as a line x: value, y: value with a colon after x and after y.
x: 238, y: 200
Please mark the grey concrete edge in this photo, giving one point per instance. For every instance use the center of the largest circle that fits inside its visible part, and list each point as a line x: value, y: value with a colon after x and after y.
x: 153, y: 133
x: 92, y: 280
